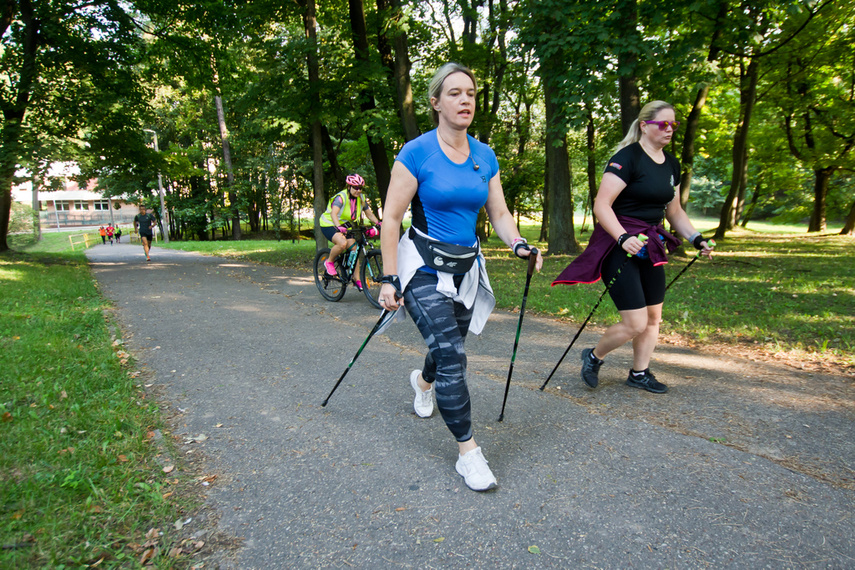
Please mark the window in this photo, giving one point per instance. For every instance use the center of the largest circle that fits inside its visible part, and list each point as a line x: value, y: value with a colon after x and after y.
x: 62, y: 205
x: 81, y: 205
x: 102, y: 204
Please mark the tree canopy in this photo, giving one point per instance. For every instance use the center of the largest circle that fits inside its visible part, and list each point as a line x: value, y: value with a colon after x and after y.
x: 262, y: 108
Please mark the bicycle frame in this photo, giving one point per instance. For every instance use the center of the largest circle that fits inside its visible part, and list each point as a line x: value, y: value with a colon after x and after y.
x: 362, y: 245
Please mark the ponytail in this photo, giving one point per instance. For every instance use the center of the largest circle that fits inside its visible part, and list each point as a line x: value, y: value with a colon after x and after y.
x: 632, y: 135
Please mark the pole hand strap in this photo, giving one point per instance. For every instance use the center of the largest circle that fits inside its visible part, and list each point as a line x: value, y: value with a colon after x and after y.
x: 520, y: 244
x: 394, y: 281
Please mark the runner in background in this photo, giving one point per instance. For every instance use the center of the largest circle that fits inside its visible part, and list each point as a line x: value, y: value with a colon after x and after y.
x: 144, y: 223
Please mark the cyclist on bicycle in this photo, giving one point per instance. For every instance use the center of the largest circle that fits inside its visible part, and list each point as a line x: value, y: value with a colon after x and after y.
x: 346, y: 206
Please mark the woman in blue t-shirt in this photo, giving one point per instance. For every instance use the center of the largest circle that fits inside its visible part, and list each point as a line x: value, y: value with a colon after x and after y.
x: 447, y: 176
x: 640, y: 187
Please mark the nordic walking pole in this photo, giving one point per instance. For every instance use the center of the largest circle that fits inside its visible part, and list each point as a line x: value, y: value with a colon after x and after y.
x: 711, y: 243
x: 355, y: 356
x: 643, y: 238
x: 532, y: 260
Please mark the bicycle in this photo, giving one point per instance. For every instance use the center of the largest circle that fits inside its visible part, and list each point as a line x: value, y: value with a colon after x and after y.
x: 333, y: 287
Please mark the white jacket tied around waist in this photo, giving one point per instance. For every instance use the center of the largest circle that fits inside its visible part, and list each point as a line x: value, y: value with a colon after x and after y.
x: 474, y: 290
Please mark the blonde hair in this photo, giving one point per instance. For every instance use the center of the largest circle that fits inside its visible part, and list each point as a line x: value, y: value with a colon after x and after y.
x: 435, y: 86
x: 646, y: 114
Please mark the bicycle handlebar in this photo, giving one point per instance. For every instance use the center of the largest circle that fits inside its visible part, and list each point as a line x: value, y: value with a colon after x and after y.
x: 356, y: 232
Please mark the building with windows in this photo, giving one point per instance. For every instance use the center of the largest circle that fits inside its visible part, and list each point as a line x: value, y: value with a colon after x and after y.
x: 74, y: 206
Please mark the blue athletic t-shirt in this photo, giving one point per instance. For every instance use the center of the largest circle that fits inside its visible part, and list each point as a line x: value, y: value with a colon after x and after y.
x: 450, y: 195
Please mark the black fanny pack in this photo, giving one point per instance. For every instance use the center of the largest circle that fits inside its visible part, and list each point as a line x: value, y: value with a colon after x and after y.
x: 445, y: 257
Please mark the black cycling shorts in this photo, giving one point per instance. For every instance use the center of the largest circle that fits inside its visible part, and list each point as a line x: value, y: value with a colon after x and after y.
x: 329, y: 231
x: 640, y: 284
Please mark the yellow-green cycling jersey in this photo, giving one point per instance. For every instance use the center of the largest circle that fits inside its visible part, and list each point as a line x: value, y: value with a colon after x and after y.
x: 351, y: 209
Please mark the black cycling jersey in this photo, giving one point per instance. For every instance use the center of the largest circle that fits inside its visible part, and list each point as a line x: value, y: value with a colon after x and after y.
x: 649, y: 186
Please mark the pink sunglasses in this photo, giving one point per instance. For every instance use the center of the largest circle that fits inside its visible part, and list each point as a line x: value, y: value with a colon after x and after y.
x: 664, y: 124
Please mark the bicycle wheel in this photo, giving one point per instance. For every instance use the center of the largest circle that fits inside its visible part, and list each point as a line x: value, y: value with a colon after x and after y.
x: 370, y: 274
x: 331, y: 288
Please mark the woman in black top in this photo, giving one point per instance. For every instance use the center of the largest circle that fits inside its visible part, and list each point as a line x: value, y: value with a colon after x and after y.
x: 640, y: 186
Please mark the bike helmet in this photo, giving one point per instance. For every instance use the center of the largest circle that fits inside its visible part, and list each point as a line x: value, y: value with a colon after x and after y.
x: 355, y: 180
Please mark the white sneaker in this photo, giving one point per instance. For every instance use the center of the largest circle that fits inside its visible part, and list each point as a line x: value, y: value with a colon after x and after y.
x: 475, y: 472
x: 423, y: 404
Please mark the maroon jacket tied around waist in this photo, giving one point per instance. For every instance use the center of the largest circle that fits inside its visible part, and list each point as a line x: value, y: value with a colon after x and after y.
x: 586, y: 268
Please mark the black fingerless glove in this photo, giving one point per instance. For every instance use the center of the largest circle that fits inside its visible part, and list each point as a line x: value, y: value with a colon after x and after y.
x: 393, y: 281
x: 697, y: 241
x: 622, y: 239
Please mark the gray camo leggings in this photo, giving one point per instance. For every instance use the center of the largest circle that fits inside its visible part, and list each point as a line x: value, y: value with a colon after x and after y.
x: 443, y: 324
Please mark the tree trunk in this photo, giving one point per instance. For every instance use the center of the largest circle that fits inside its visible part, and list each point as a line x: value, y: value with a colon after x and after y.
x: 562, y: 235
x: 15, y: 107
x: 253, y: 208
x: 227, y: 158
x: 544, y: 224
x: 750, y: 211
x: 376, y: 145
x: 748, y: 96
x: 37, y: 221
x: 320, y: 203
x: 332, y: 156
x: 849, y: 226
x: 629, y: 101
x: 470, y: 21
x: 399, y: 66
x: 820, y: 192
x: 481, y: 225
x: 687, y: 158
x: 591, y: 144
x: 10, y: 134
x: 491, y: 89
x: 630, y: 97
x: 522, y: 129
x: 739, y: 210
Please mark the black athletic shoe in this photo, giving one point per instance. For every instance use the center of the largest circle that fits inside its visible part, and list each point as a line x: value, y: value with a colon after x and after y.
x: 646, y: 381
x: 590, y: 367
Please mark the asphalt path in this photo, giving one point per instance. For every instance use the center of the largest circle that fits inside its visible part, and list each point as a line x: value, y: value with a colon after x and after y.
x: 743, y: 464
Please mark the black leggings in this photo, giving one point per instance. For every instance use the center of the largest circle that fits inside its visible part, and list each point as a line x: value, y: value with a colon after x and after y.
x: 640, y: 284
x: 443, y: 324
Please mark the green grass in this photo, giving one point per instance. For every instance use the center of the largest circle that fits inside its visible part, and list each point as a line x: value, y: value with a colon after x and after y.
x: 770, y: 287
x: 780, y: 292
x: 79, y: 478
x: 51, y: 242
